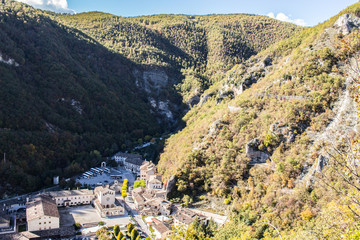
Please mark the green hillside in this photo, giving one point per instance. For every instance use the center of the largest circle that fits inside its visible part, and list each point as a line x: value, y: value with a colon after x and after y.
x: 257, y: 140
x: 77, y: 88
x: 203, y: 45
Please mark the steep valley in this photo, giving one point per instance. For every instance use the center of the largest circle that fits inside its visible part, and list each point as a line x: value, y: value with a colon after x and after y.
x: 263, y: 114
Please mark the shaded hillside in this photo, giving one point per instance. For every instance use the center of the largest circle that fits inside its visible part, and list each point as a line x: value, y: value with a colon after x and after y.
x: 63, y: 97
x: 204, y: 44
x: 251, y: 137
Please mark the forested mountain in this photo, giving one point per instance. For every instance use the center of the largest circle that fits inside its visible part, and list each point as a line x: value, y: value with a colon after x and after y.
x: 76, y: 88
x: 277, y: 139
x: 270, y: 126
x: 194, y: 47
x: 64, y: 98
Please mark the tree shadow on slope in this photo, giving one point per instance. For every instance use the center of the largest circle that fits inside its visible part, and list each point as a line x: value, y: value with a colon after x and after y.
x: 65, y: 105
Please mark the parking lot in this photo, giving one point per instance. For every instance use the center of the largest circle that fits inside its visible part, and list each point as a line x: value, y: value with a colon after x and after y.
x: 106, y: 178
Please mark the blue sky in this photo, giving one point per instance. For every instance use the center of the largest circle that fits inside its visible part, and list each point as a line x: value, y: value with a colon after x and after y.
x: 302, y: 12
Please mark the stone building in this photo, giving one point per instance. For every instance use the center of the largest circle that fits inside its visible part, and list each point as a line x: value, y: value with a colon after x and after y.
x: 106, y: 204
x: 133, y: 165
x: 184, y: 217
x: 148, y: 173
x: 154, y: 182
x: 42, y: 214
x: 146, y: 170
x: 157, y: 206
x: 162, y: 229
x: 120, y: 157
x: 73, y: 197
x: 148, y: 202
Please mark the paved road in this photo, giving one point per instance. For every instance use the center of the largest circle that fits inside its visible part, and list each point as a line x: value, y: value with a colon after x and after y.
x: 140, y: 223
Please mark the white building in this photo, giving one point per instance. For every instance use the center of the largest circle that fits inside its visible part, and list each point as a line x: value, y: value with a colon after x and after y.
x: 42, y: 214
x: 146, y: 170
x: 162, y: 229
x: 154, y: 182
x: 121, y: 157
x: 106, y: 204
x: 105, y: 195
x: 73, y: 197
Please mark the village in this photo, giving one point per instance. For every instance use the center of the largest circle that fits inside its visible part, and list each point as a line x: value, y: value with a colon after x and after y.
x: 132, y: 192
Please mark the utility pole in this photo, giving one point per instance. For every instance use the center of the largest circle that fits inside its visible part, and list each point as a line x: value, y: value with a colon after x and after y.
x: 4, y: 157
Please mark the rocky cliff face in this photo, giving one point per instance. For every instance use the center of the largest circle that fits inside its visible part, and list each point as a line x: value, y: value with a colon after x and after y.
x: 346, y: 23
x: 156, y: 83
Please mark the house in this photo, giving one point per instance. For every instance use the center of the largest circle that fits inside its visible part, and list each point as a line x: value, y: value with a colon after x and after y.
x: 148, y: 173
x: 73, y: 197
x: 133, y: 165
x: 158, y: 206
x: 146, y: 170
x: 154, y: 182
x: 106, y: 204
x: 139, y: 201
x: 184, y: 217
x: 151, y: 201
x: 162, y: 229
x: 121, y: 157
x: 161, y: 226
x: 42, y: 214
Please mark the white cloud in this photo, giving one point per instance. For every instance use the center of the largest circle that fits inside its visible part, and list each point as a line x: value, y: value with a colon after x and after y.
x: 59, y: 6
x: 283, y: 17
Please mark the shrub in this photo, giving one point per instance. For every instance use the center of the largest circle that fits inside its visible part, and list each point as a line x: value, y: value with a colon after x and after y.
x: 101, y: 223
x: 226, y: 201
x: 77, y: 226
x: 307, y: 214
x: 124, y: 193
x: 140, y: 183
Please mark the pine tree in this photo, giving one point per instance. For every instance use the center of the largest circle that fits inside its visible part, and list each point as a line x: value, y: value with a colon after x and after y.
x: 134, y: 234
x: 129, y: 228
x: 120, y: 236
x: 116, y: 230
